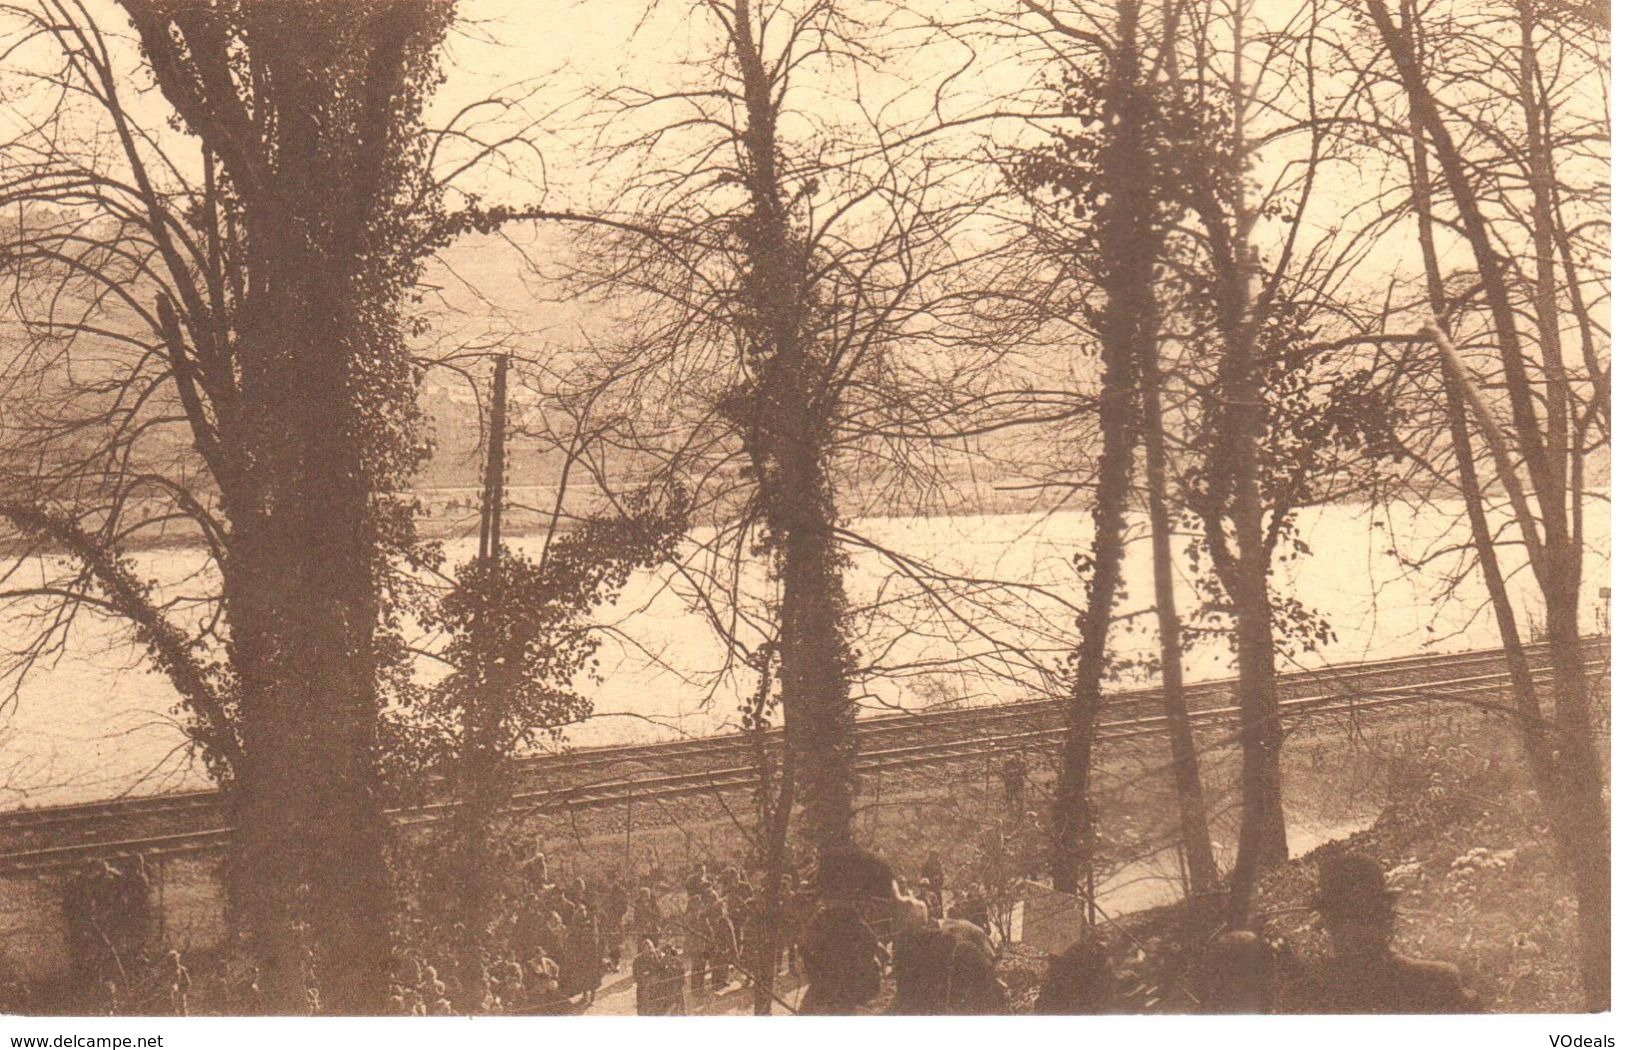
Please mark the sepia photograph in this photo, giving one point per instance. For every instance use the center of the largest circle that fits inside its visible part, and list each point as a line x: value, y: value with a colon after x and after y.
x: 788, y: 508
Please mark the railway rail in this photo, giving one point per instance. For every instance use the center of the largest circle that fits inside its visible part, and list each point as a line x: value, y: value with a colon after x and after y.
x: 622, y: 775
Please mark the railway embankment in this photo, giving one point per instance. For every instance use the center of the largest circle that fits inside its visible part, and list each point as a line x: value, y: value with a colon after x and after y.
x: 929, y: 781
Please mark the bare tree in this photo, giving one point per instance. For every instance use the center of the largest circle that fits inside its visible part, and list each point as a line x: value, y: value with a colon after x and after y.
x: 1535, y: 440
x: 1227, y: 217
x: 211, y: 339
x: 1292, y: 394
x: 781, y: 258
x: 1113, y: 176
x: 1107, y: 178
x: 775, y: 276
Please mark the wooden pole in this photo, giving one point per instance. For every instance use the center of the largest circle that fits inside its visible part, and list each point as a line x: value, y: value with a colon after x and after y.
x: 495, y: 465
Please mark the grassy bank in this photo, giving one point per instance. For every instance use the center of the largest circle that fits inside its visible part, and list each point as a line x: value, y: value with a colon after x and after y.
x: 1463, y: 839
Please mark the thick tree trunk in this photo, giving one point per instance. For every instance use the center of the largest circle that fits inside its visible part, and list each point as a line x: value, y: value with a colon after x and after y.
x: 333, y: 671
x: 303, y: 620
x: 267, y: 865
x: 310, y: 833
x: 819, y: 715
x: 786, y: 427
x: 317, y: 131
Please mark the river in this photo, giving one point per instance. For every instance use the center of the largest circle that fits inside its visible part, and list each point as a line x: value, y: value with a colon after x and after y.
x: 996, y: 626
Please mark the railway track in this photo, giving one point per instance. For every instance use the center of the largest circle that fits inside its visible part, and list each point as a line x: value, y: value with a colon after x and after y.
x: 1475, y: 690
x: 620, y: 775
x: 705, y: 751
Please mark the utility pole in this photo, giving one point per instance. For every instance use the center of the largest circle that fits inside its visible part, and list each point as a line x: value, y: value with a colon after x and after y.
x: 482, y: 791
x: 495, y: 464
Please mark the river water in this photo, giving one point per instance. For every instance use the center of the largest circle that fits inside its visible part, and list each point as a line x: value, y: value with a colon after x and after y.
x: 946, y: 611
